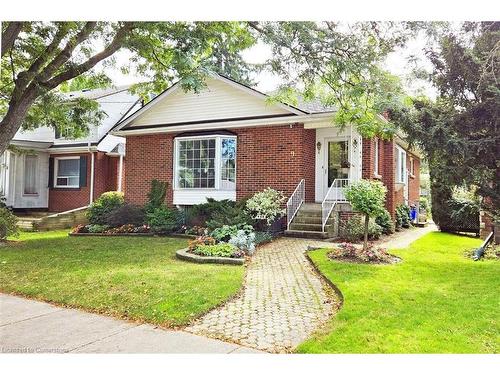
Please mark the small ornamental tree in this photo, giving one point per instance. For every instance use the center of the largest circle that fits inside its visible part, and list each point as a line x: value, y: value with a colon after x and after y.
x: 367, y: 197
x: 267, y: 205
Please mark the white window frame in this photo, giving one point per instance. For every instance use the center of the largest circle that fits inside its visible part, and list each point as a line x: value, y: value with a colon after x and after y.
x: 56, y: 168
x: 401, y: 162
x: 376, y: 170
x: 36, y: 174
x: 412, y: 166
x: 218, y: 159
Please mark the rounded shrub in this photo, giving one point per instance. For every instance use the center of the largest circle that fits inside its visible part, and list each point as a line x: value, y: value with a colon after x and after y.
x: 103, y: 205
x: 127, y: 213
x: 8, y: 223
x: 384, y: 219
x: 163, y: 220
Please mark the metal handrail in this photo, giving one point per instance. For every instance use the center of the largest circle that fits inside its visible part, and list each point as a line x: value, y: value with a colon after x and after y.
x: 295, y: 201
x: 334, y: 194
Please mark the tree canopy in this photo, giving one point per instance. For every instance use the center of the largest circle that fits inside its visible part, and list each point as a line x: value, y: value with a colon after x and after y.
x: 459, y: 130
x: 337, y: 63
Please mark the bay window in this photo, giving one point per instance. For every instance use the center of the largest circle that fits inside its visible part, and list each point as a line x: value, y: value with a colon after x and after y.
x: 205, y: 162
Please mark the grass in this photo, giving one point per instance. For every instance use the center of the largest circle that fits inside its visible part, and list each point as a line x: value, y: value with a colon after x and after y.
x: 435, y: 301
x: 134, y: 278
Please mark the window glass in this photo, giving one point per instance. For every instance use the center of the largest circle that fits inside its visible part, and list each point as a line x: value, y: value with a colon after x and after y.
x: 30, y: 171
x: 228, y: 160
x: 196, y: 164
x: 376, y: 156
x: 68, y: 172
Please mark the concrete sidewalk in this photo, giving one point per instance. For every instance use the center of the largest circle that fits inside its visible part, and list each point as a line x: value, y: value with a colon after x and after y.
x: 28, y: 326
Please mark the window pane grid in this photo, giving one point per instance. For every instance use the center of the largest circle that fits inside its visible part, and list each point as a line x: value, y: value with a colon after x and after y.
x: 196, y: 165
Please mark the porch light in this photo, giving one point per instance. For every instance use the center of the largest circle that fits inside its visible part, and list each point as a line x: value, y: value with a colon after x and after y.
x: 318, y: 146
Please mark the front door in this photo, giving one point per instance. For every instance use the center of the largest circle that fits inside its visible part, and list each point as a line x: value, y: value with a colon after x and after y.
x: 336, y: 161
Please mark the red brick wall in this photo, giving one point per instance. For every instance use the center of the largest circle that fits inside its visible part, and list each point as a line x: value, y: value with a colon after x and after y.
x: 414, y: 180
x: 368, y: 155
x: 388, y: 172
x: 267, y: 156
x: 62, y: 199
x: 148, y: 157
x: 277, y: 157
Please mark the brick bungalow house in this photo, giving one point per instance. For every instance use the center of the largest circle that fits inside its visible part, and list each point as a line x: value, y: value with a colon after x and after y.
x: 229, y: 141
x: 42, y: 170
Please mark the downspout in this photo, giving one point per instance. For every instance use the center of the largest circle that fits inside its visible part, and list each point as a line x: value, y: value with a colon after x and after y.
x: 120, y: 173
x: 91, y: 198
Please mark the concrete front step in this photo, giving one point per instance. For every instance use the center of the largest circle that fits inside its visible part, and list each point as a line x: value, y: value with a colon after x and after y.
x: 308, y: 227
x: 306, y: 234
x: 312, y: 220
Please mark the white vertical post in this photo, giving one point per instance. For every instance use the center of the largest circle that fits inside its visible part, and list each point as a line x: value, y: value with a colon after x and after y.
x: 91, y: 178
x: 120, y: 173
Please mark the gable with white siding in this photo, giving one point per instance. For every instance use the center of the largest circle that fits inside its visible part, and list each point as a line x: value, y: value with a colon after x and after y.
x: 219, y: 100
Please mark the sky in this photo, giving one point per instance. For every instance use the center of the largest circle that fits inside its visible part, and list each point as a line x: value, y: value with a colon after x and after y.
x: 396, y: 63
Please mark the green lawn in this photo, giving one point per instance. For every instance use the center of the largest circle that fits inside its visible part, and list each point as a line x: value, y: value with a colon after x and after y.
x: 137, y: 278
x: 435, y: 301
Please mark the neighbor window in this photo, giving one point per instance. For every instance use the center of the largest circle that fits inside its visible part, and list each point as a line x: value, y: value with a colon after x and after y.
x: 400, y: 165
x: 376, y: 156
x: 206, y: 163
x: 412, y: 166
x: 67, y: 172
x: 30, y: 172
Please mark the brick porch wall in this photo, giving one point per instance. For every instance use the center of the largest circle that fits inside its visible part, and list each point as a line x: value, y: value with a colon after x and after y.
x: 267, y: 156
x: 62, y: 199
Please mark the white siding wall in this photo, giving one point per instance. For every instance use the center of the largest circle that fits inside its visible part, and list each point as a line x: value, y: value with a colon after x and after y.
x: 17, y: 198
x: 218, y: 100
x: 196, y: 196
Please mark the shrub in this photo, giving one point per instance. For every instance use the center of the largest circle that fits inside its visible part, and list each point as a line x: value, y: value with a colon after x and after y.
x: 97, y: 228
x: 103, y: 205
x: 267, y: 205
x: 384, y: 219
x: 224, y: 233
x: 464, y: 212
x: 244, y: 241
x: 354, y: 229
x: 424, y: 204
x: 263, y: 237
x: 368, y: 198
x: 8, y: 224
x: 403, y: 216
x: 163, y: 220
x: 371, y: 254
x: 125, y: 214
x: 220, y: 250
x: 235, y: 215
x: 156, y: 195
x: 199, y: 214
x: 201, y: 240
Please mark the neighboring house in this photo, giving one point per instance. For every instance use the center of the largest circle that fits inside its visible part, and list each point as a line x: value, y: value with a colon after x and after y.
x: 43, y: 170
x: 230, y: 141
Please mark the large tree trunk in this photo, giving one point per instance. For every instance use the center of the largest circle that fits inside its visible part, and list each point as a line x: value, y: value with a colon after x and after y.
x: 14, y: 117
x: 365, y: 243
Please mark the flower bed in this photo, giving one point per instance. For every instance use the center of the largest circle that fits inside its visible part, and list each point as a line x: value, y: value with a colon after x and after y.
x: 352, y: 253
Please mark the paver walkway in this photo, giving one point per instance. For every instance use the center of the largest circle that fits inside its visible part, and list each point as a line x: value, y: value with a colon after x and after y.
x: 28, y: 326
x: 405, y: 238
x: 283, y: 302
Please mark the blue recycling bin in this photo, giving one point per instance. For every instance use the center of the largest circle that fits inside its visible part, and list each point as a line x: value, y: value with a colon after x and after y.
x: 413, y: 213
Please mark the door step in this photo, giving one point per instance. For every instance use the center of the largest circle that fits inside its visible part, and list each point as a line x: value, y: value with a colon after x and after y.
x: 306, y: 234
